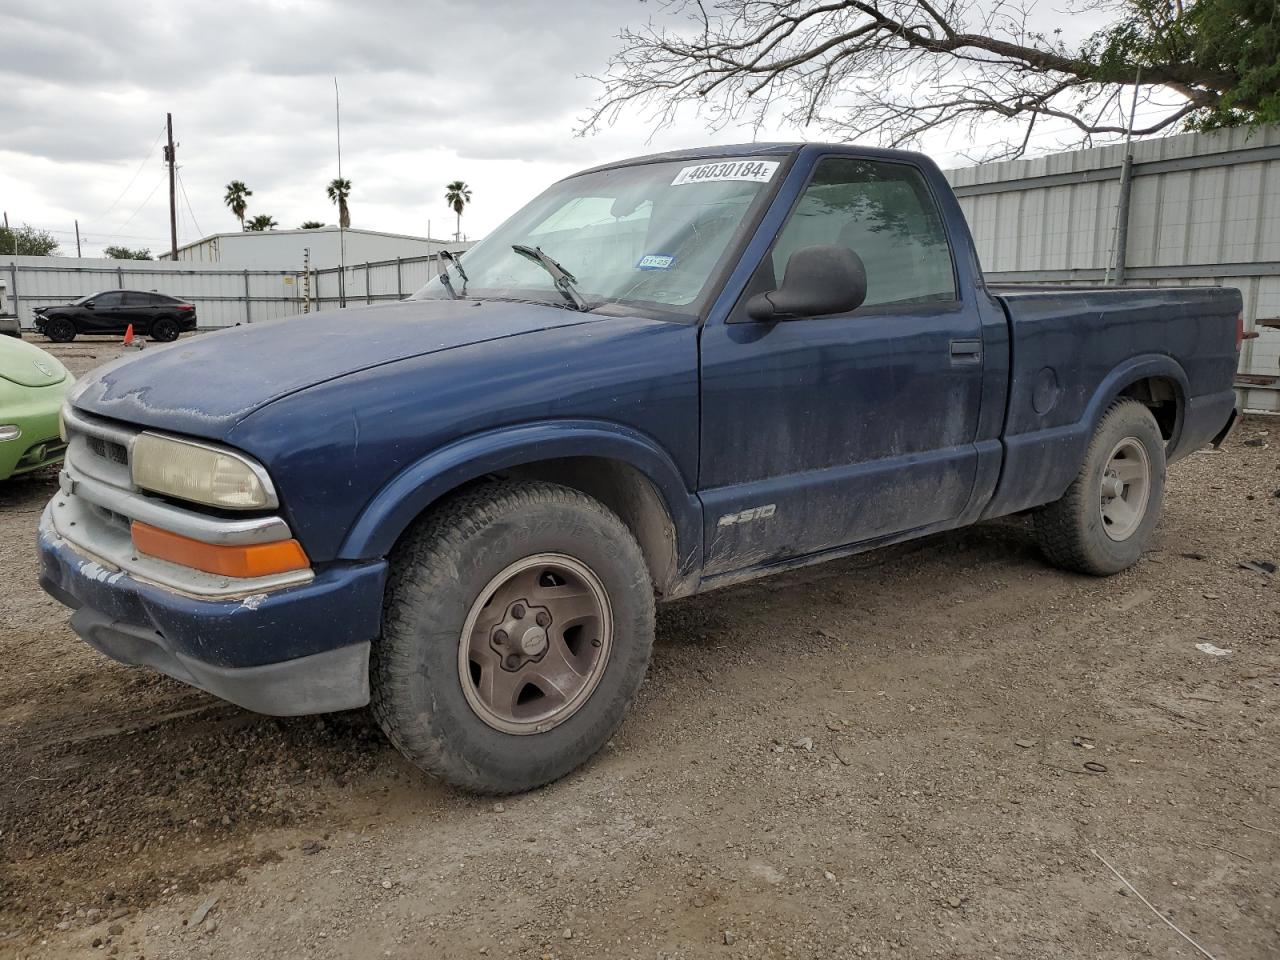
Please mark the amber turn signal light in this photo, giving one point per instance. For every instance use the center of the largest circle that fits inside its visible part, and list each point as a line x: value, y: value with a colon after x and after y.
x: 244, y: 560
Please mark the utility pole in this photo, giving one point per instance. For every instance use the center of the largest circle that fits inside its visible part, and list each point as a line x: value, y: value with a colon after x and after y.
x: 77, y: 238
x: 171, y: 160
x: 342, y: 233
x: 6, y: 230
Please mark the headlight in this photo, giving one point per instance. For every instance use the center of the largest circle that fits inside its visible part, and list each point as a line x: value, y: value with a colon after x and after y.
x: 10, y: 431
x: 204, y: 474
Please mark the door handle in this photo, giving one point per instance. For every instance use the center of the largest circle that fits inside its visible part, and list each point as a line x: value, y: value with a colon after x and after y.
x: 966, y: 351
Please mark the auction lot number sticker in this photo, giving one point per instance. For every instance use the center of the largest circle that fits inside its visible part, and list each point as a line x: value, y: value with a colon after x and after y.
x: 758, y: 171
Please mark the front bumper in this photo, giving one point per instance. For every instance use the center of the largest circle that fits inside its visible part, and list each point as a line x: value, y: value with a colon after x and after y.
x: 299, y: 650
x: 35, y: 410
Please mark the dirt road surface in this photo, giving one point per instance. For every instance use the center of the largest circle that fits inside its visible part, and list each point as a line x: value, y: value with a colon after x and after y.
x: 878, y: 757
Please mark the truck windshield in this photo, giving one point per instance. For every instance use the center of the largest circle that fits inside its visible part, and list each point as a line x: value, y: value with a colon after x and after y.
x: 648, y: 235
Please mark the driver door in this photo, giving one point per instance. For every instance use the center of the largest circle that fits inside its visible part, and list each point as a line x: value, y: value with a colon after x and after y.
x: 104, y: 316
x: 824, y: 432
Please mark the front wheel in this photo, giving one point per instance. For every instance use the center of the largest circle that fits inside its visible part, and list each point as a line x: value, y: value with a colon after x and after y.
x: 1103, y: 523
x: 60, y: 330
x: 517, y: 628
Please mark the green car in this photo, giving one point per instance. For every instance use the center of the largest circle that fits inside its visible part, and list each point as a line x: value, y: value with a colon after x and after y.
x: 32, y: 386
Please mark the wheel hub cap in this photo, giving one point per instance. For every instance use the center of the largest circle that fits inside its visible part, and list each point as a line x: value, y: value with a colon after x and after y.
x: 535, y: 644
x: 1124, y: 489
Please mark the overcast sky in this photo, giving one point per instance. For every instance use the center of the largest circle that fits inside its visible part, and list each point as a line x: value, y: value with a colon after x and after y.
x: 485, y: 92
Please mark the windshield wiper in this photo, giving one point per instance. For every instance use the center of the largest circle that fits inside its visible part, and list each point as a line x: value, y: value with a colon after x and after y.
x: 564, y: 280
x: 456, y: 261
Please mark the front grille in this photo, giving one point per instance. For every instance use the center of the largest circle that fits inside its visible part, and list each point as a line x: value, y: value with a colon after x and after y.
x: 108, y: 450
x: 110, y: 516
x: 98, y: 448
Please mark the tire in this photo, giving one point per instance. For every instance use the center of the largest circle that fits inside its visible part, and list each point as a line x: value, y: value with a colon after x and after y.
x: 1088, y: 533
x: 60, y: 330
x: 164, y: 330
x: 433, y: 712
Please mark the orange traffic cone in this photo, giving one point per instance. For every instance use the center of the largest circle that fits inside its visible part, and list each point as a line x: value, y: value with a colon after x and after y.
x: 128, y: 336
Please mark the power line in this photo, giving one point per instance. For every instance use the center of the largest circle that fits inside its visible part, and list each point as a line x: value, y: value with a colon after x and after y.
x: 183, y: 187
x: 144, y: 202
x: 131, y: 180
x: 153, y: 238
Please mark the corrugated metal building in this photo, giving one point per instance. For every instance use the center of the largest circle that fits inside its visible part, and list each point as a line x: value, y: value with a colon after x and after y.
x: 1203, y: 209
x: 287, y: 249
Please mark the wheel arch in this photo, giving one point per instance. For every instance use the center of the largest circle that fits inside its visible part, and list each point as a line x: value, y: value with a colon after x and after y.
x: 620, y: 467
x: 1040, y: 465
x: 1155, y: 380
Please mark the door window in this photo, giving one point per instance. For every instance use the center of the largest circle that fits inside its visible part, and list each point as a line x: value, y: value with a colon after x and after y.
x: 112, y: 299
x: 886, y: 215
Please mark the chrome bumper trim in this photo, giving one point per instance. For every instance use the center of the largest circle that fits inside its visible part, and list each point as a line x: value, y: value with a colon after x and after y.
x: 108, y: 549
x: 187, y: 523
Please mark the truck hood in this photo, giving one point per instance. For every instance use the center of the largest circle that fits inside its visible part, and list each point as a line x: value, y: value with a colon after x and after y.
x: 204, y: 385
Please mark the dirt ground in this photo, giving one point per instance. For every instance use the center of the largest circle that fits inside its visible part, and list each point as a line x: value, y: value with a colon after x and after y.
x: 883, y: 757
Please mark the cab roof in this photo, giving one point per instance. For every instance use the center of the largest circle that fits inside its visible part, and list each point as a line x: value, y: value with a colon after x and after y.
x: 769, y: 149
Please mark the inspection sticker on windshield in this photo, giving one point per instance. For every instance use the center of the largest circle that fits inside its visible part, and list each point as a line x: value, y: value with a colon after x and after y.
x: 656, y: 261
x: 758, y: 171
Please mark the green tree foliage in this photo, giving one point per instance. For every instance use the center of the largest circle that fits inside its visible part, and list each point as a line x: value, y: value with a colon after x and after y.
x: 263, y: 221
x: 338, y: 190
x: 311, y: 225
x: 237, y: 199
x: 894, y: 70
x: 1239, y: 39
x: 457, y: 195
x: 27, y: 241
x: 124, y: 253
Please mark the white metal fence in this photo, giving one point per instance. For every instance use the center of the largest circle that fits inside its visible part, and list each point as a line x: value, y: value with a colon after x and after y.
x: 1203, y: 209
x: 223, y: 297
x: 374, y: 282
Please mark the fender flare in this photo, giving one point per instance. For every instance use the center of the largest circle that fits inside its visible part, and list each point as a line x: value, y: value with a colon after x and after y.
x: 1130, y: 372
x: 393, y: 508
x: 1039, y: 466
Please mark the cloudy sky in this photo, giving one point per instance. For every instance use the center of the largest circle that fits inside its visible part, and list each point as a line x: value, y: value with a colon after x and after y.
x: 486, y: 92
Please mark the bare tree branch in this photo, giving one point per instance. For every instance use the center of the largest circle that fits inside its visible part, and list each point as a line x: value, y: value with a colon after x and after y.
x: 895, y: 70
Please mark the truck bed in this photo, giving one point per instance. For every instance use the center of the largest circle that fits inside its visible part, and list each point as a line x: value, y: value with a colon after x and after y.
x: 1069, y: 344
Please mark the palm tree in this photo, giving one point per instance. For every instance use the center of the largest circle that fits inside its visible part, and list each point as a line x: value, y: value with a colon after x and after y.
x: 339, y: 189
x: 237, y: 199
x: 311, y: 225
x: 457, y: 195
x: 263, y: 221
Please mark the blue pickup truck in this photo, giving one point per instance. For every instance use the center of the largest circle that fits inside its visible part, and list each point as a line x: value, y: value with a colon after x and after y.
x: 661, y: 376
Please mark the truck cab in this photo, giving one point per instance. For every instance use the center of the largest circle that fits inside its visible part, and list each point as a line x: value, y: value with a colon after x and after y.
x: 661, y: 376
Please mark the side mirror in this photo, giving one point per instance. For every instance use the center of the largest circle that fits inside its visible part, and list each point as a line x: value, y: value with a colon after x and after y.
x: 88, y: 304
x: 820, y: 280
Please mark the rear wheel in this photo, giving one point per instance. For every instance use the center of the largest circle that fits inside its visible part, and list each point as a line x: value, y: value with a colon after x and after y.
x: 1103, y: 523
x: 60, y: 330
x: 164, y: 330
x: 517, y: 628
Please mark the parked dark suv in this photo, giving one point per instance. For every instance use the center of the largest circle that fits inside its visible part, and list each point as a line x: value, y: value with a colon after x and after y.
x: 152, y: 314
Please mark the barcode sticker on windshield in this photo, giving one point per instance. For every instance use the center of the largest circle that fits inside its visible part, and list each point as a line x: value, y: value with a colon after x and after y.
x: 758, y: 171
